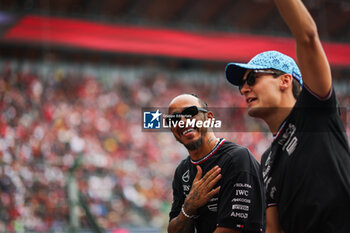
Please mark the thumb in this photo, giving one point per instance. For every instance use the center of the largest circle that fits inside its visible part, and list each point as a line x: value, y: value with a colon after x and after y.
x: 199, y: 173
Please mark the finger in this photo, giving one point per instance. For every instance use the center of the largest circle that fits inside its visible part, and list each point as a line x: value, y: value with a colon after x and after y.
x: 213, y: 192
x: 199, y: 173
x: 212, y: 176
x: 213, y: 182
x: 210, y: 172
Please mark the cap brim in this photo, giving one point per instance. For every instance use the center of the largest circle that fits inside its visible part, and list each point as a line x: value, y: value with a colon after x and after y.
x: 235, y: 72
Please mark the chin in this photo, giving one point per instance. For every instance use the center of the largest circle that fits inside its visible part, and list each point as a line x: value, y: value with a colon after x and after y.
x: 189, y: 139
x: 257, y: 112
x: 195, y: 144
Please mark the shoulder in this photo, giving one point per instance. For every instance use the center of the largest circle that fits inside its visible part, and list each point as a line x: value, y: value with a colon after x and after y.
x: 183, y: 166
x: 238, y: 156
x: 310, y: 106
x: 235, y: 150
x: 308, y: 98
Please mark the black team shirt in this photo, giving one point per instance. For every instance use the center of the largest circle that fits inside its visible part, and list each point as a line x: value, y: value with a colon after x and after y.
x: 307, y: 168
x: 240, y: 203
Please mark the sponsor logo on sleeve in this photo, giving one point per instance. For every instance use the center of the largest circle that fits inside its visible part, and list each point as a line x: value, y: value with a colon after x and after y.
x: 242, y: 192
x: 242, y: 200
x: 242, y: 185
x: 239, y: 215
x: 240, y: 207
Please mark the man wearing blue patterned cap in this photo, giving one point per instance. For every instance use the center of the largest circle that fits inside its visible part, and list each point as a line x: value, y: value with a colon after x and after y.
x: 306, y: 170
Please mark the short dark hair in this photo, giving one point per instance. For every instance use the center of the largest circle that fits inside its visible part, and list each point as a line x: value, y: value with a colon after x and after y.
x: 296, y: 87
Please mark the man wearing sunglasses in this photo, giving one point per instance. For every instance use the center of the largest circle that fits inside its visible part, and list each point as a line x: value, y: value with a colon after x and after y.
x: 306, y: 169
x: 218, y: 187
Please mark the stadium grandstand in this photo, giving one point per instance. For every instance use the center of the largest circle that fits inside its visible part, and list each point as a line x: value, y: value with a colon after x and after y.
x: 75, y: 76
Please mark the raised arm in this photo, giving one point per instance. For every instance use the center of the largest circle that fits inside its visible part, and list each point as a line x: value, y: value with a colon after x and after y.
x: 311, y: 57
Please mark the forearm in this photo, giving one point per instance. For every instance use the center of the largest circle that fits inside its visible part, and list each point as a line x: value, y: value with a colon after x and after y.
x: 181, y: 224
x: 201, y: 192
x: 272, y: 221
x: 311, y: 57
x: 298, y: 19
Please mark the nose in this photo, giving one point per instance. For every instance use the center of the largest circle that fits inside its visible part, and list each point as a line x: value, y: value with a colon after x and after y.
x: 245, y: 89
x: 183, y: 118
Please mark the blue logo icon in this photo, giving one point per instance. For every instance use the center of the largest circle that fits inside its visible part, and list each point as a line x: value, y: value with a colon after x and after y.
x: 151, y: 120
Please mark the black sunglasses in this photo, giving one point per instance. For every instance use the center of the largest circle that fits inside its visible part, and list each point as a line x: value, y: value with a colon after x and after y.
x: 189, y: 112
x: 252, y: 75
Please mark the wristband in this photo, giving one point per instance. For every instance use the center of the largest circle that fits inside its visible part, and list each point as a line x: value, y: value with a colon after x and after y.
x: 186, y: 215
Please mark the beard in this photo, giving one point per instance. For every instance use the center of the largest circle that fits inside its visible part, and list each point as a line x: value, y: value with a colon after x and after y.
x: 195, y: 144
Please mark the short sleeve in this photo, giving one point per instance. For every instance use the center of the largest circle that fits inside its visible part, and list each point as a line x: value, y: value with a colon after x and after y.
x: 311, y: 103
x: 241, y: 197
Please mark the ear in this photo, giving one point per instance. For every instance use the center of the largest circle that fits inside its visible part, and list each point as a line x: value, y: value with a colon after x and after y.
x: 210, y: 115
x: 286, y: 81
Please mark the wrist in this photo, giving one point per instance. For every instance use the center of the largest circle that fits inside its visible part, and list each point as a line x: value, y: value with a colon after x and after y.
x: 187, y: 214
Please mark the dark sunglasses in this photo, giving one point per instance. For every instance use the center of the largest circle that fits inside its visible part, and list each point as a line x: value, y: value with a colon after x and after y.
x: 252, y: 75
x: 189, y: 112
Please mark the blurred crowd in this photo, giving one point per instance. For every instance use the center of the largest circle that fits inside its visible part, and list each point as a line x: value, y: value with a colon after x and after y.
x: 83, y: 125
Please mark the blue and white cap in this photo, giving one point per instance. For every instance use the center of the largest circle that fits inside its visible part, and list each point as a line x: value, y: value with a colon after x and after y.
x: 265, y: 60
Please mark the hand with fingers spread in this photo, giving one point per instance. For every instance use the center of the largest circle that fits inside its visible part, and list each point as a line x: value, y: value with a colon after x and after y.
x: 202, y: 189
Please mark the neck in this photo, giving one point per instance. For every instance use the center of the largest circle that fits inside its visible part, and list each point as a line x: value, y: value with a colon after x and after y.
x: 209, y: 143
x: 275, y: 120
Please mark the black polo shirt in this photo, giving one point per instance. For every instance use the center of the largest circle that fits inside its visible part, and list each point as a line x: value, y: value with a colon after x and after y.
x: 306, y: 170
x: 240, y: 203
